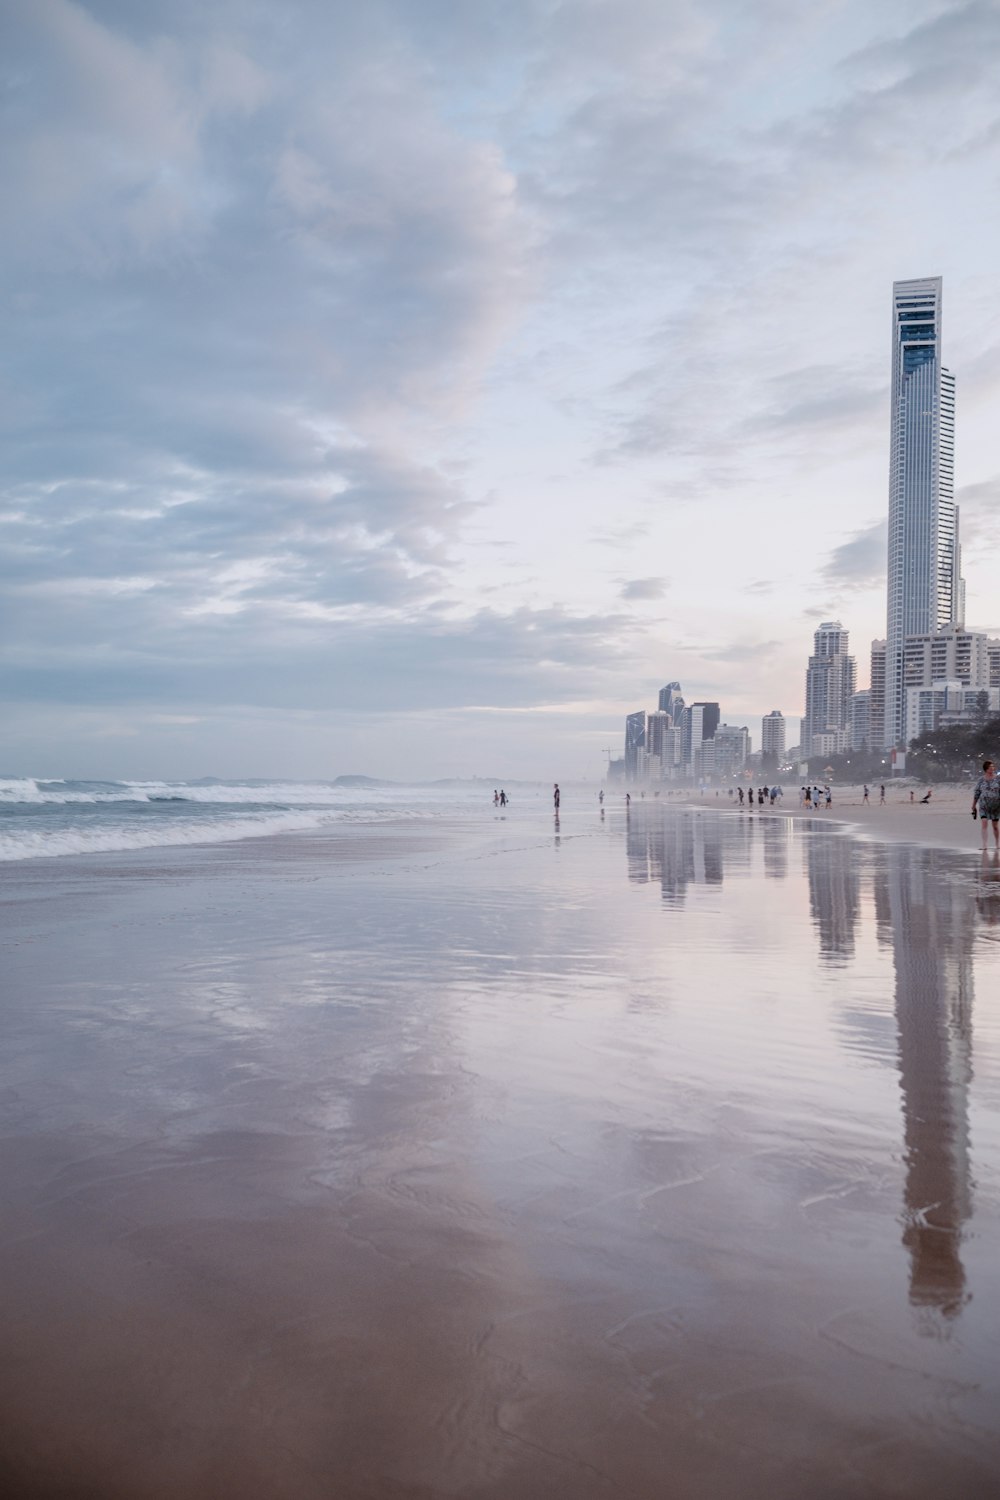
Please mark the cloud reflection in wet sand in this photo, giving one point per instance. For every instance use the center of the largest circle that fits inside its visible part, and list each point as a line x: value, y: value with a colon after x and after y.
x: 482, y: 1169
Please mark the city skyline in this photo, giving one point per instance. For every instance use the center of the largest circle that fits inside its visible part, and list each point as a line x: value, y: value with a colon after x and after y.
x: 411, y: 392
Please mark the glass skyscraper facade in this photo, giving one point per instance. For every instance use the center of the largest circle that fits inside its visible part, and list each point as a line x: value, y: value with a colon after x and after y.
x: 925, y: 589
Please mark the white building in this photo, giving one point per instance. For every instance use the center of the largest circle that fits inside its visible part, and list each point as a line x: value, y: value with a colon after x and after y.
x: 876, y: 703
x: 861, y: 720
x: 830, y: 682
x: 732, y: 746
x: 925, y: 589
x: 951, y: 654
x: 928, y: 707
x: 772, y: 735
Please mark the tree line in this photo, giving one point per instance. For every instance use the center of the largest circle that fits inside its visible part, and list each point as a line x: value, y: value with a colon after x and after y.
x: 953, y: 754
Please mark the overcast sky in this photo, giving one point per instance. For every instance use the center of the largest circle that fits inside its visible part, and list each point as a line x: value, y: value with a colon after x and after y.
x: 415, y: 386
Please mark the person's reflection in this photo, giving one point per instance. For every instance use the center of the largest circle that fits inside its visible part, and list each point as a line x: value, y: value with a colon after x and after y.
x: 557, y: 839
x: 932, y: 933
x: 834, y: 893
x: 988, y: 888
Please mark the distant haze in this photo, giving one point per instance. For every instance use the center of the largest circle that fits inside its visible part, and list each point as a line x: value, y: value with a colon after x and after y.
x: 413, y: 387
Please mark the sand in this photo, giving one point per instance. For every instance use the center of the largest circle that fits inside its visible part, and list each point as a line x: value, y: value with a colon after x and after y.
x: 624, y: 1157
x: 945, y: 822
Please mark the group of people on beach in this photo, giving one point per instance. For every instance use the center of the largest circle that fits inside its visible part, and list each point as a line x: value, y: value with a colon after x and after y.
x: 764, y: 794
x: 500, y: 798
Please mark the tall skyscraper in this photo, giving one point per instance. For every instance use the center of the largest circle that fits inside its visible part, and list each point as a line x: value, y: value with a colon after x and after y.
x: 925, y: 589
x: 699, y: 723
x: 772, y: 734
x: 635, y: 744
x: 876, y: 703
x: 670, y: 701
x: 830, y: 682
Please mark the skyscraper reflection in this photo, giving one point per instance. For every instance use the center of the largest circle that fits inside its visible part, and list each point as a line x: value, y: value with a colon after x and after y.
x: 834, y: 893
x: 933, y: 923
x: 676, y: 850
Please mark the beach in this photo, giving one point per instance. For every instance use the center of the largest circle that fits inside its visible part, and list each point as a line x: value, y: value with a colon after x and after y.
x: 945, y: 822
x: 629, y: 1155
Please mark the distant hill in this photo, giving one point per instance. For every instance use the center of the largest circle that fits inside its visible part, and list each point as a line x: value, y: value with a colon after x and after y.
x: 361, y: 781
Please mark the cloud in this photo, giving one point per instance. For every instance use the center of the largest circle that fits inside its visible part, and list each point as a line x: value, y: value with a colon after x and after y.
x: 644, y: 588
x: 979, y: 515
x: 738, y: 652
x: 860, y: 562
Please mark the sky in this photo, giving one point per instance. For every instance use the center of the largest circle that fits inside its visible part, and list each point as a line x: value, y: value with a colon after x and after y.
x: 414, y: 387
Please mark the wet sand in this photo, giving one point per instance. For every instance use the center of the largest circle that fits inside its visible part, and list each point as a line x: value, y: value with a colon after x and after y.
x: 636, y: 1157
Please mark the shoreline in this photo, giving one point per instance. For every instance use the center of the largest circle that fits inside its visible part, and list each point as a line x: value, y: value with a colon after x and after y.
x: 943, y: 823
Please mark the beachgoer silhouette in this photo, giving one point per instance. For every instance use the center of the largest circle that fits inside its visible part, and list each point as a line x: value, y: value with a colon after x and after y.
x: 986, y: 802
x: 503, y: 799
x: 555, y: 796
x: 927, y: 798
x: 881, y: 796
x: 864, y: 799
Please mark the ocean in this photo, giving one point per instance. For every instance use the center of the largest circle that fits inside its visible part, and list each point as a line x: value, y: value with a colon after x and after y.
x: 41, y: 819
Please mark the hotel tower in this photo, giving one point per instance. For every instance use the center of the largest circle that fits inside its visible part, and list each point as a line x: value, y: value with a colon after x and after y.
x: 924, y: 586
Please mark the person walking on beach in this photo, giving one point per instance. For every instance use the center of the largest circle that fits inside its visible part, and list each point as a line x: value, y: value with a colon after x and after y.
x: 881, y: 796
x: 600, y: 796
x: 986, y: 801
x: 503, y: 799
x: 555, y: 796
x: 864, y: 799
x: 628, y: 799
x: 829, y: 797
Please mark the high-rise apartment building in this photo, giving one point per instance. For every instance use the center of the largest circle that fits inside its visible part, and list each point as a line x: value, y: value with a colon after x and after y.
x: 951, y: 654
x: 699, y: 723
x: 635, y: 744
x: 993, y: 660
x: 830, y: 683
x: 772, y: 735
x: 671, y: 701
x: 732, y: 746
x: 925, y: 589
x: 861, y: 720
x: 876, y: 702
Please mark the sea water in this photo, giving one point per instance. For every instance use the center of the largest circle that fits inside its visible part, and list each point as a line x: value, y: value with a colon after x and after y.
x: 45, y: 818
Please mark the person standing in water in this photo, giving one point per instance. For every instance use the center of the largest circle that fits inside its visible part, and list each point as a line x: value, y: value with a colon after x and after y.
x: 503, y: 799
x: 555, y: 796
x: 986, y: 802
x: 864, y: 799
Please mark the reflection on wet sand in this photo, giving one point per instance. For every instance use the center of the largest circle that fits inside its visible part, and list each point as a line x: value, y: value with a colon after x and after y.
x: 833, y: 869
x: 472, y: 1170
x: 933, y: 924
x: 674, y: 850
x: 929, y: 921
